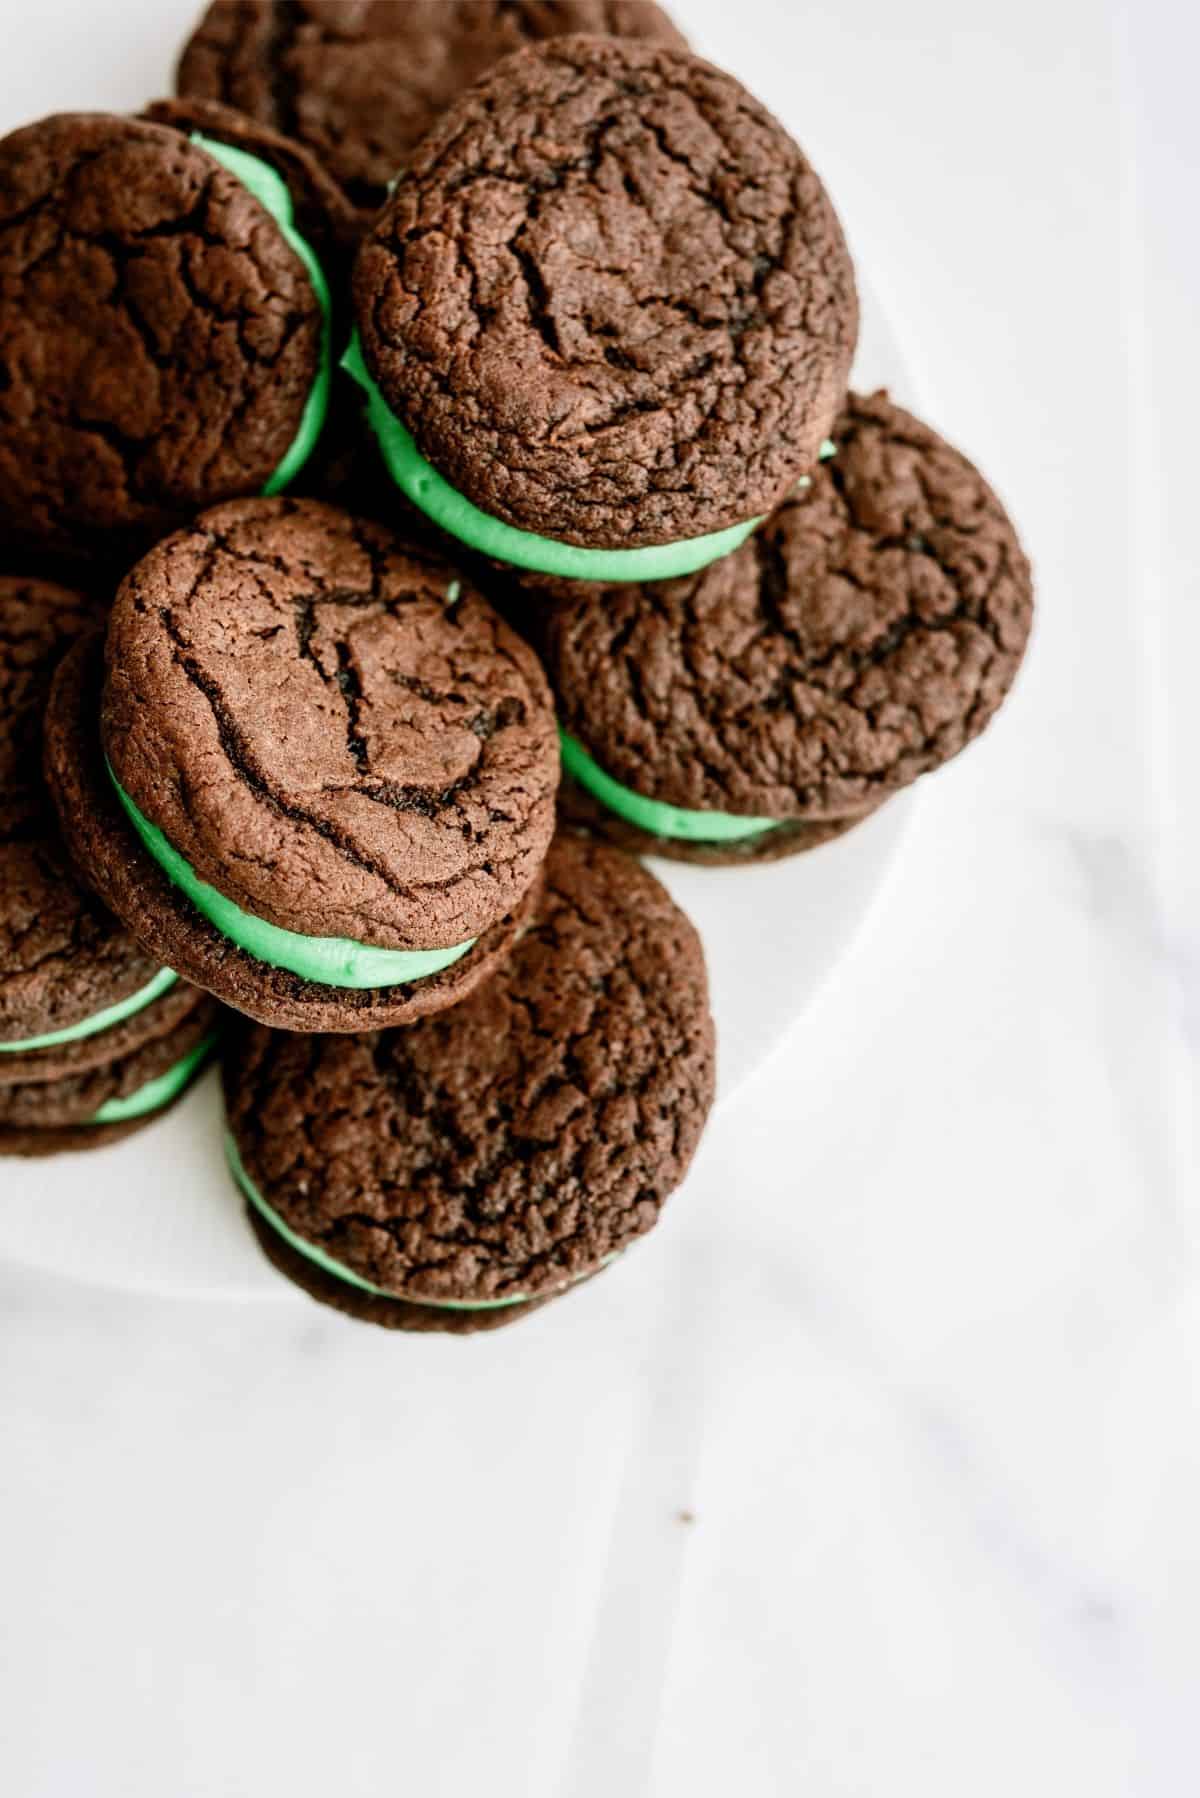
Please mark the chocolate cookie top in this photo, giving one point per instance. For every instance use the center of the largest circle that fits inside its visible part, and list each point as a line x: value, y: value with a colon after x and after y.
x: 62, y: 956
x: 159, y: 335
x: 334, y: 730
x: 361, y: 82
x: 511, y: 1145
x: 864, y: 635
x: 610, y: 298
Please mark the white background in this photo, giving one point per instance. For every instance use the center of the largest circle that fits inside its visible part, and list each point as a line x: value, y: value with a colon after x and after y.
x: 876, y: 1470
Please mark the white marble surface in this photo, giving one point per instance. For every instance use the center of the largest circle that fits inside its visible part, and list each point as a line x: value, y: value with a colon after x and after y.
x: 876, y: 1470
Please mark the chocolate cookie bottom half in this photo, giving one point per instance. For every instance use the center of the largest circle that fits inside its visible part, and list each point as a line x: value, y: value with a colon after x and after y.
x: 866, y: 635
x: 649, y: 827
x: 159, y: 913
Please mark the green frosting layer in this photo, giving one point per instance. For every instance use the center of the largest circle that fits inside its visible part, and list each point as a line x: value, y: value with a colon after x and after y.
x: 328, y: 960
x: 99, y: 1020
x: 338, y: 1269
x: 455, y: 513
x: 652, y: 814
x: 271, y: 190
x: 159, y: 1091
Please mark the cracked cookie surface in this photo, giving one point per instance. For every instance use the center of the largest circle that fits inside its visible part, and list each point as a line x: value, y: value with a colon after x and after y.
x: 510, y: 1145
x: 159, y: 337
x: 862, y: 637
x: 610, y: 298
x: 361, y: 83
x: 63, y: 957
x: 321, y: 211
x: 334, y: 730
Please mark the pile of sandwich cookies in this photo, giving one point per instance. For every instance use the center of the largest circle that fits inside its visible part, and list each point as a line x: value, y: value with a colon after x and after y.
x: 429, y: 480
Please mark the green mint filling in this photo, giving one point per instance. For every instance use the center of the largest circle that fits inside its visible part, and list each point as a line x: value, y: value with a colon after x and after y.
x: 653, y: 815
x: 328, y: 960
x: 99, y: 1020
x: 157, y: 1092
x: 421, y: 483
x: 270, y: 190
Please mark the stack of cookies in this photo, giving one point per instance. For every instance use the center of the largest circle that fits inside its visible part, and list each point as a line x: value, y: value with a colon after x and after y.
x: 428, y: 481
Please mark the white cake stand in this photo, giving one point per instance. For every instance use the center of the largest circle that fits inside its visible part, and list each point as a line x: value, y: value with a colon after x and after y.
x: 158, y: 1213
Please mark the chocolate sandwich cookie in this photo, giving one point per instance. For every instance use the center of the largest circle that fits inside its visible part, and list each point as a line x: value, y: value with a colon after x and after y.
x: 360, y: 84
x: 42, y: 1112
x: 606, y: 318
x: 861, y: 638
x: 164, y: 328
x: 458, y: 1173
x: 85, y: 1014
x: 311, y: 769
x: 339, y: 463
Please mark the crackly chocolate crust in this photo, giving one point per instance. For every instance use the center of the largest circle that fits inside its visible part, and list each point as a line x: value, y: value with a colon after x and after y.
x: 63, y: 957
x: 862, y: 637
x: 610, y: 297
x: 514, y: 1143
x: 160, y: 918
x: 159, y: 335
x: 73, y: 1099
x: 334, y: 729
x: 361, y: 83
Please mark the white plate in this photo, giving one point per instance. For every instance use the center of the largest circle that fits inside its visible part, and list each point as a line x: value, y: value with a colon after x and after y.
x: 158, y: 1213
